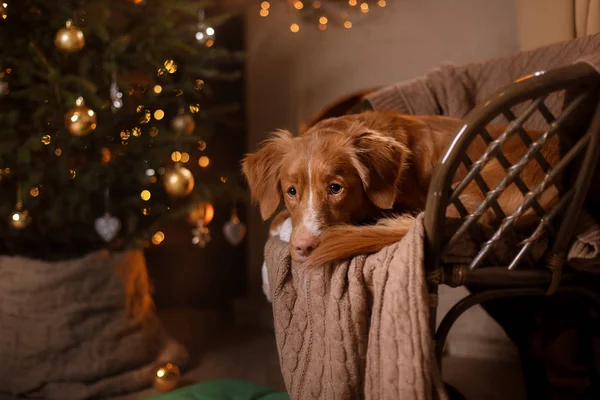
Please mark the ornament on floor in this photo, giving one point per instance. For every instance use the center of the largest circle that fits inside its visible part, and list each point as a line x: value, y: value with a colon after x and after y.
x: 234, y: 229
x: 80, y: 120
x: 69, y: 39
x: 116, y: 96
x: 178, y: 181
x: 201, y: 234
x: 183, y: 123
x: 165, y: 377
x: 203, y: 211
x: 19, y: 218
x: 107, y: 226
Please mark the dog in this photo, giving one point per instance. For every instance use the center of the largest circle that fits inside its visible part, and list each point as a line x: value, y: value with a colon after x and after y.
x: 345, y: 173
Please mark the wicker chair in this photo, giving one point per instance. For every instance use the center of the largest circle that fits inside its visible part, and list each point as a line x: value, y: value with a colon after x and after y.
x: 579, y: 137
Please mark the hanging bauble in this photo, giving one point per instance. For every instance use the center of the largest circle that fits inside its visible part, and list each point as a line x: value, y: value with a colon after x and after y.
x: 178, y: 182
x: 183, y: 124
x: 69, y: 39
x: 165, y: 377
x: 201, y: 234
x: 234, y: 230
x: 3, y: 88
x: 107, y: 227
x: 203, y: 211
x: 19, y: 218
x: 116, y: 96
x: 80, y: 120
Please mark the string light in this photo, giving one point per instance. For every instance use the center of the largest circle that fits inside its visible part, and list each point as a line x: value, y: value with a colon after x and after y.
x: 194, y: 108
x: 157, y: 89
x: 176, y: 156
x: 34, y: 191
x: 145, y: 195
x: 158, y: 238
x: 333, y: 13
x: 203, y: 161
x: 58, y: 152
x: 185, y: 157
x: 159, y: 114
x: 46, y: 139
x: 201, y: 145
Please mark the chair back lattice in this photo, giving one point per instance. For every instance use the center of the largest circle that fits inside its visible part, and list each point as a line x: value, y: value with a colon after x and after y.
x: 563, y: 105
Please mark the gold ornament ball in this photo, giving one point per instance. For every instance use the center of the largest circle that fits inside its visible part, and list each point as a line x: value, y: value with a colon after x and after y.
x: 80, y: 120
x: 203, y: 211
x: 69, y: 39
x: 165, y: 377
x: 19, y: 219
x: 183, y: 124
x: 178, y: 182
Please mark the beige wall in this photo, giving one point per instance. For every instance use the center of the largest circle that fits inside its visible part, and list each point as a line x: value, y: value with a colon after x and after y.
x: 291, y: 76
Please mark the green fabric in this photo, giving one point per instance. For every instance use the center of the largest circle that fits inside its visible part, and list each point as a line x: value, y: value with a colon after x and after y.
x: 225, y: 390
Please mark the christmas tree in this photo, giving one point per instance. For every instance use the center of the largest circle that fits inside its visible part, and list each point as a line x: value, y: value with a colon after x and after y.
x: 107, y: 112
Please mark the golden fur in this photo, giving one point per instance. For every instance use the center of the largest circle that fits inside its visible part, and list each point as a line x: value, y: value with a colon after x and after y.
x: 381, y: 162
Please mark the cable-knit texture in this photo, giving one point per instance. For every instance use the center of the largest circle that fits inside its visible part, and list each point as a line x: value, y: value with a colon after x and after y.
x: 357, y: 329
x: 454, y: 90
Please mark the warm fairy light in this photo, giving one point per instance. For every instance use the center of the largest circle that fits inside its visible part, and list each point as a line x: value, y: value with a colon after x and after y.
x: 199, y: 84
x: 364, y: 7
x: 139, y: 108
x: 153, y: 131
x: 146, y: 117
x: 224, y: 179
x: 16, y: 217
x: 264, y: 12
x: 294, y: 28
x: 136, y: 131
x: 298, y: 5
x: 157, y: 239
x: 185, y: 157
x: 203, y: 161
x: 145, y: 195
x: 170, y: 66
x: 199, y: 36
x: 72, y: 173
x: 157, y: 89
x: 382, y: 3
x: 106, y: 156
x: 79, y: 102
x: 153, y: 179
x: 316, y: 4
x: 34, y: 191
x: 323, y: 20
x: 176, y: 156
x: 125, y: 135
x: 210, y: 31
x: 265, y: 5
x: 209, y: 43
x: 352, y: 2
x: 347, y: 24
x: 46, y: 139
x: 150, y: 172
x: 194, y: 108
x: 159, y: 114
x: 201, y: 145
x: 146, y: 211
x: 58, y: 152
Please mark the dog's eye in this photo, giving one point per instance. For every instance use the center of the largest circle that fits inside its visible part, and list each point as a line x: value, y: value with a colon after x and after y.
x: 292, y: 191
x: 334, y: 188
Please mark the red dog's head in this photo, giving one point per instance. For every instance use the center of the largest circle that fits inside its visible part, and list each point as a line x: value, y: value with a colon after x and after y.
x: 342, y: 170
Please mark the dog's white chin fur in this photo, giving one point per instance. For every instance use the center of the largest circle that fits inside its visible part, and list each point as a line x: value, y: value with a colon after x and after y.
x: 284, y: 231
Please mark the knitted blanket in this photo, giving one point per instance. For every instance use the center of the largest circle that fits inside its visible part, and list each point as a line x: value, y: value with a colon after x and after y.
x: 359, y: 329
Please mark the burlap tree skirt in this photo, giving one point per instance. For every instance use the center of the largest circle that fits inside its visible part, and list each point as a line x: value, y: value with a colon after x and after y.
x: 79, y: 328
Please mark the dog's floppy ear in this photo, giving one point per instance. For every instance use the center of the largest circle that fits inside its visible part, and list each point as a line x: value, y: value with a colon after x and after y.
x: 379, y: 160
x: 262, y: 171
